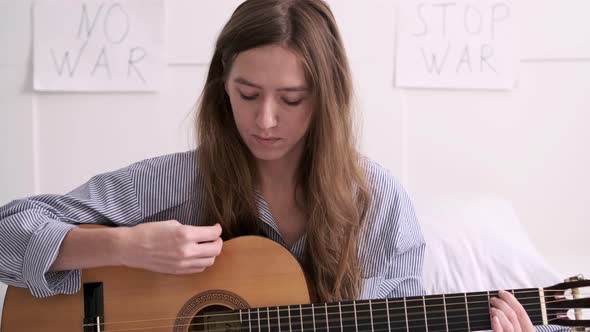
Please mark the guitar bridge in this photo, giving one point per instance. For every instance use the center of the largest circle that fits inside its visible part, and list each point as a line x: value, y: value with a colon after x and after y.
x: 93, y: 307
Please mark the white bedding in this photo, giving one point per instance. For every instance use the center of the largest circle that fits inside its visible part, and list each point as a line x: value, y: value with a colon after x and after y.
x: 476, y: 242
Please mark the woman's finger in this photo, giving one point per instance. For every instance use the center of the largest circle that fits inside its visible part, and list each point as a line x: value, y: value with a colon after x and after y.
x: 504, y: 321
x: 496, y: 325
x: 519, y: 311
x: 512, y: 302
x: 507, y: 311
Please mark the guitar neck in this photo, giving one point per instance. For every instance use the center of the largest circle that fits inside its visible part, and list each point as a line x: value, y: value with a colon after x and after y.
x: 449, y: 312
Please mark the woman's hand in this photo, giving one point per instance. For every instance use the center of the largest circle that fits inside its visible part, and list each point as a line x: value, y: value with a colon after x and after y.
x: 508, y: 315
x: 170, y: 247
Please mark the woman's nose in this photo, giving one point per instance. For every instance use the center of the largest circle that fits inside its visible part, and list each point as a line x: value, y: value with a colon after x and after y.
x: 267, y: 115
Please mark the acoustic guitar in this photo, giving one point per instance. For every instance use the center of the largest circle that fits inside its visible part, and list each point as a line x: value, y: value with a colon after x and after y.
x: 257, y: 285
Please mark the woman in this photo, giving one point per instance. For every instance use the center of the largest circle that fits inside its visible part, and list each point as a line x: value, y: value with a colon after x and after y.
x: 276, y: 157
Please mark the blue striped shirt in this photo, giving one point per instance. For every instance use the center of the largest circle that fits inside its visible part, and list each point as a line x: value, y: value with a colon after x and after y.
x: 168, y: 187
x: 391, y: 246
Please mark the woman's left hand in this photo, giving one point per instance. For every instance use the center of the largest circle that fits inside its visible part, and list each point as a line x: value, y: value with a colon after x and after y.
x: 508, y: 315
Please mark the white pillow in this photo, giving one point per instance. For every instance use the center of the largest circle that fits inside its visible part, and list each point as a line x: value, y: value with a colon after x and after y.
x: 475, y: 242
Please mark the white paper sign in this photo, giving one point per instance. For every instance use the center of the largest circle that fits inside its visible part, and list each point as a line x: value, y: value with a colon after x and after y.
x: 98, y: 45
x: 456, y: 44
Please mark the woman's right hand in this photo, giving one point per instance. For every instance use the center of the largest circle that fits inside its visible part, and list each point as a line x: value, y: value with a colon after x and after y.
x: 170, y: 247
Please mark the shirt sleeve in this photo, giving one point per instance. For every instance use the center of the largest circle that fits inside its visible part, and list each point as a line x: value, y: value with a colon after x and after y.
x: 32, y: 229
x: 403, y: 277
x: 391, y: 242
x: 552, y: 328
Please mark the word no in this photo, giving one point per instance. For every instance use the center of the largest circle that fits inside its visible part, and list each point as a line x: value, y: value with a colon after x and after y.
x: 115, y: 29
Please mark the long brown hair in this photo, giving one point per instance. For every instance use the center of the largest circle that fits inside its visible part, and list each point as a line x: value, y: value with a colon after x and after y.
x: 330, y: 175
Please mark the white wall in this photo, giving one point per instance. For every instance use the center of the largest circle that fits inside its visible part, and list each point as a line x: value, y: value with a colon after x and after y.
x: 528, y: 145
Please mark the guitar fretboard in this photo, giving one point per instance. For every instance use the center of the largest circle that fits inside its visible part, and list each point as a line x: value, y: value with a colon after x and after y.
x: 436, y: 313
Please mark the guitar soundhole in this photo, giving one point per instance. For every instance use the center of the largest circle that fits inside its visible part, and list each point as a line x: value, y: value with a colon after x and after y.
x: 214, y: 310
x: 215, y: 318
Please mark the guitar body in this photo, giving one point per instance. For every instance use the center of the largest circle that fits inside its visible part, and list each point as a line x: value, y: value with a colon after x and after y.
x: 251, y: 272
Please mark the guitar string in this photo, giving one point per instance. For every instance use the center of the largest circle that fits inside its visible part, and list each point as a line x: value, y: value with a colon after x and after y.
x: 321, y: 322
x: 380, y: 301
x: 297, y: 316
x: 294, y: 307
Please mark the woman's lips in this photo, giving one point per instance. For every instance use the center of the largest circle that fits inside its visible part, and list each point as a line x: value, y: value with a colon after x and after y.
x: 266, y: 141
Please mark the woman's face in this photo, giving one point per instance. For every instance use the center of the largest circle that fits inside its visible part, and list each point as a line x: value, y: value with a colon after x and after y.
x: 270, y: 101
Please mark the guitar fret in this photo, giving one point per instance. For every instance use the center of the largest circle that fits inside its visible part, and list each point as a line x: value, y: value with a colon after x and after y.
x: 456, y: 317
x: 380, y: 321
x: 258, y: 313
x: 307, y: 317
x: 425, y: 316
x: 242, y: 321
x: 279, y: 318
x: 296, y: 321
x: 479, y: 311
x: 532, y: 303
x: 406, y: 313
x: 395, y: 314
x: 388, y: 319
x: 340, y: 312
x: 254, y: 320
x: 327, y: 323
x: 289, y: 312
x: 263, y: 318
x: 312, y: 316
x: 334, y: 315
x: 489, y: 307
x: 416, y: 314
x: 363, y: 311
x: 301, y: 316
x: 467, y: 311
x: 356, y: 324
x: 445, y: 310
x: 315, y: 317
x: 543, y: 306
x: 249, y: 321
x: 371, y: 314
x: 435, y: 313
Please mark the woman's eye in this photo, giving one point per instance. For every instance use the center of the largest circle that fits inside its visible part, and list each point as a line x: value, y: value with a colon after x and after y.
x: 292, y: 103
x: 248, y: 97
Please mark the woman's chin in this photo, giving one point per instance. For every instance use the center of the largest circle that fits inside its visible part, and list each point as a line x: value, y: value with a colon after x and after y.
x: 268, y: 155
